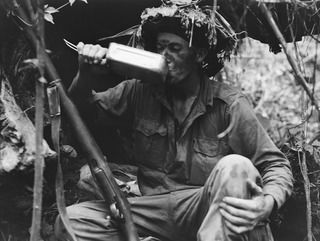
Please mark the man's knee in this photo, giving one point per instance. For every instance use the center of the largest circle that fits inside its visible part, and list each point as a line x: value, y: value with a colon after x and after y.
x: 237, y: 170
x: 234, y: 161
x: 231, y: 174
x: 236, y: 165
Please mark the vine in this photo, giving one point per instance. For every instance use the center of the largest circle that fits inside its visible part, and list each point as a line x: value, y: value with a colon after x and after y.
x: 49, y: 10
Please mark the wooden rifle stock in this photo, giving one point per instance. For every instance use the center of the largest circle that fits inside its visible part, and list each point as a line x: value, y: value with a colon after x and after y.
x: 100, y: 170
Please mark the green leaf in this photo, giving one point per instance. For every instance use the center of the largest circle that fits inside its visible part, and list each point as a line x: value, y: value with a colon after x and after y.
x: 32, y: 62
x: 50, y: 10
x: 48, y: 17
x: 73, y: 1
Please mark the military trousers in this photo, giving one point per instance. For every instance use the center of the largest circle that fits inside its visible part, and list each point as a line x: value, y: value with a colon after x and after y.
x: 191, y: 214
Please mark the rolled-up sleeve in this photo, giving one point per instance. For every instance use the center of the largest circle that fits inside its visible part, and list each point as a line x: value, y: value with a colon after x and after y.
x: 117, y: 100
x: 114, y: 104
x: 248, y: 138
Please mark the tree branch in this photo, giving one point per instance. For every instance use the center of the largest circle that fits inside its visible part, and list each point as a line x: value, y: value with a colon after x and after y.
x: 39, y: 162
x: 306, y: 183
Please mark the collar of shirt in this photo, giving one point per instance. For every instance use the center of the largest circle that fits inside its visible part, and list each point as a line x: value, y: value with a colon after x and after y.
x: 206, y: 94
x: 204, y: 100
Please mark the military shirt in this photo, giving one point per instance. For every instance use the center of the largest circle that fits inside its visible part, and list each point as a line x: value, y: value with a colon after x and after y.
x: 173, y: 156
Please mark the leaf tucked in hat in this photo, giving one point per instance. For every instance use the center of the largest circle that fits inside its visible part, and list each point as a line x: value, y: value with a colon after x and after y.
x: 196, y: 22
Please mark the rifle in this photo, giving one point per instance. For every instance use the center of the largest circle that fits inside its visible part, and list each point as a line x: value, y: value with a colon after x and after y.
x: 114, y: 198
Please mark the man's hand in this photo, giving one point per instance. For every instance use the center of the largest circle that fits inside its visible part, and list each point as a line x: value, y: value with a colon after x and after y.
x: 242, y: 215
x: 93, y: 57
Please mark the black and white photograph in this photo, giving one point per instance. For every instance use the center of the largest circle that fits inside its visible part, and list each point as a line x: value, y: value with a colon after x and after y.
x: 159, y: 120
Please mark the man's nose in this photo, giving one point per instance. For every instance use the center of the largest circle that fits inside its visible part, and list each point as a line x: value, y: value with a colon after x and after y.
x: 164, y: 52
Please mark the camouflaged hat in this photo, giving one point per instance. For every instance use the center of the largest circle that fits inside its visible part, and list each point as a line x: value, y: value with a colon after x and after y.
x: 199, y: 25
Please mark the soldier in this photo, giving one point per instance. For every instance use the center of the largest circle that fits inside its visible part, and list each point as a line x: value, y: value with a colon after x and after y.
x: 207, y: 168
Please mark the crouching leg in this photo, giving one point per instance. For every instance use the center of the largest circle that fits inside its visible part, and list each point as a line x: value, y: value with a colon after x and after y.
x: 90, y: 221
x: 232, y: 177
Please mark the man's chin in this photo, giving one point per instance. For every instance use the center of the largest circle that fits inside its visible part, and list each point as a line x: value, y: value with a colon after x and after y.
x: 172, y: 81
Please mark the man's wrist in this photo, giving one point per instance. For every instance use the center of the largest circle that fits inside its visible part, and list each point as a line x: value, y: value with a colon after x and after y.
x: 269, y: 204
x: 80, y: 86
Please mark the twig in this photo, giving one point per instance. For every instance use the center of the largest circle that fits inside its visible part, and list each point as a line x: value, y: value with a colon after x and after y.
x: 39, y: 162
x: 29, y: 108
x: 306, y: 183
x: 24, y: 21
x: 30, y: 10
x: 303, y: 163
x: 64, y: 5
x: 310, y: 173
x: 213, y: 19
x: 298, y: 75
x: 191, y: 34
x: 314, y: 77
x: 38, y: 165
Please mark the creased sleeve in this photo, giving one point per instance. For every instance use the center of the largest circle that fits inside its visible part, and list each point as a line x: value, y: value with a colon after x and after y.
x: 248, y: 138
x: 118, y: 101
x: 115, y: 104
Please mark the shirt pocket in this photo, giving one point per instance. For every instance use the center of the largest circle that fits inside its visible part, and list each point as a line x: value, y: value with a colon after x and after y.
x: 150, y: 143
x: 206, y: 147
x: 206, y: 153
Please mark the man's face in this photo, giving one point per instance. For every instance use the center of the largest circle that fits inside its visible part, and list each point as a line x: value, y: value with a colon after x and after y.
x: 180, y: 58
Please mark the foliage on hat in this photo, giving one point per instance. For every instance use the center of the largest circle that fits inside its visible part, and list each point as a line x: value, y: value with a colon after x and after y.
x: 191, y: 16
